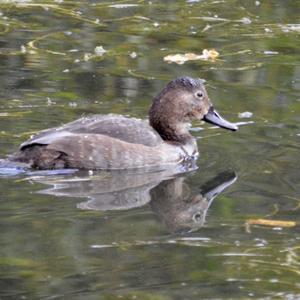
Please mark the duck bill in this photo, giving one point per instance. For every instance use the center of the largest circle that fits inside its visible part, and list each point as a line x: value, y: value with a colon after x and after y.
x: 211, y: 189
x: 213, y: 117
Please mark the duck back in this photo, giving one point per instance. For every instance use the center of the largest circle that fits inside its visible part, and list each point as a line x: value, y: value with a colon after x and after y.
x: 130, y: 130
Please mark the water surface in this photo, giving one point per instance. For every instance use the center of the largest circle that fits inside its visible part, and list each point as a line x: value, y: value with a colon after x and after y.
x: 152, y: 236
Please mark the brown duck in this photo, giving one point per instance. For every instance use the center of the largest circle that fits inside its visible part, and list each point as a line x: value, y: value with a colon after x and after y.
x: 117, y: 142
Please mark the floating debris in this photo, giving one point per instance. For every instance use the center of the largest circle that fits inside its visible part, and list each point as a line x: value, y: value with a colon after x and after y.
x: 183, y: 58
x: 290, y: 27
x: 211, y: 19
x: 245, y: 21
x: 87, y: 56
x: 50, y: 102
x: 73, y: 104
x: 245, y: 115
x: 23, y: 49
x: 267, y: 52
x: 99, y: 51
x: 207, y: 27
x: 122, y: 5
x: 68, y: 33
x: 271, y: 223
x: 12, y: 114
x: 133, y: 54
x: 241, y: 123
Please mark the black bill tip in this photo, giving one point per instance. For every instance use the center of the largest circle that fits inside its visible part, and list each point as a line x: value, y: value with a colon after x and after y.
x: 213, y: 117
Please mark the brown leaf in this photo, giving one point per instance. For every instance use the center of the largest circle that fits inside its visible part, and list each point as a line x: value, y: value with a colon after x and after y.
x: 182, y: 58
x: 271, y: 223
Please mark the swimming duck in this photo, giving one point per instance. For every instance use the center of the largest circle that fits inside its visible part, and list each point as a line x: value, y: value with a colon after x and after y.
x: 117, y: 142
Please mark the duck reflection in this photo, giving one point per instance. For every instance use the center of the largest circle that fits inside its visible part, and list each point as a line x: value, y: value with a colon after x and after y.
x: 178, y: 202
x: 182, y: 207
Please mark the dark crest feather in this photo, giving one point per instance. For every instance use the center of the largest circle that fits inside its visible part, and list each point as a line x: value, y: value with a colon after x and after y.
x: 186, y: 82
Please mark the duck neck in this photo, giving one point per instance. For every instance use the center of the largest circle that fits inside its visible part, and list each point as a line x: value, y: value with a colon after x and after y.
x: 168, y: 119
x: 173, y: 133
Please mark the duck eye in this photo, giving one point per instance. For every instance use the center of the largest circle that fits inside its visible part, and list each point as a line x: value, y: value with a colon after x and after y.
x: 197, y: 217
x: 199, y: 95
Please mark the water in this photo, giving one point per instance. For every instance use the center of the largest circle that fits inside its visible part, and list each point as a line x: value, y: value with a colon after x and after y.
x: 152, y: 236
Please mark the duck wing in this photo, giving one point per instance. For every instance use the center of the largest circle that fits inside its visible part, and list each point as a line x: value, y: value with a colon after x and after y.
x: 130, y: 130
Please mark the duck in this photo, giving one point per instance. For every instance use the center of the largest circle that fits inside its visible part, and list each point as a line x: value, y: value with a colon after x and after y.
x: 115, y: 142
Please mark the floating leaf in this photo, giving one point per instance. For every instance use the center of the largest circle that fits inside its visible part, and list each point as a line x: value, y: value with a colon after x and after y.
x: 271, y: 223
x: 182, y: 58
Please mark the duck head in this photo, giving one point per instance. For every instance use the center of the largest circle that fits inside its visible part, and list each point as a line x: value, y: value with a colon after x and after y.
x: 181, y: 101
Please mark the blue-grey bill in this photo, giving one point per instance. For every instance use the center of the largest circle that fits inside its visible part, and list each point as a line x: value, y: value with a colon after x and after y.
x: 213, y: 117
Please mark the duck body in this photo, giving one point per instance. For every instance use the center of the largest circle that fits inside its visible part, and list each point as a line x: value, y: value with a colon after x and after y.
x: 117, y: 142
x: 100, y: 142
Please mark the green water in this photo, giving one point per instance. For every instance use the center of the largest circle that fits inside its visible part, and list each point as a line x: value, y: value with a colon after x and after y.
x: 135, y: 236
